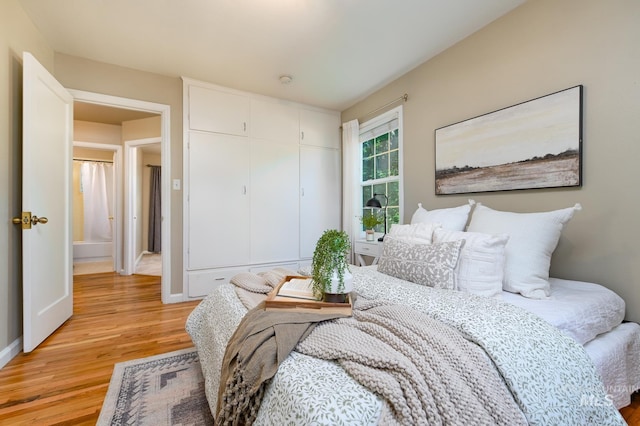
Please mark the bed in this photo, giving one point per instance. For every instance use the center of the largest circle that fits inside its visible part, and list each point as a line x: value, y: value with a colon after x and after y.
x: 566, y: 358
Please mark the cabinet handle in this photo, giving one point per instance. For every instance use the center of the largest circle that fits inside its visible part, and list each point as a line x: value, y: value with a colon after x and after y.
x: 244, y: 189
x: 302, y: 192
x: 302, y: 135
x: 244, y: 126
x: 219, y: 279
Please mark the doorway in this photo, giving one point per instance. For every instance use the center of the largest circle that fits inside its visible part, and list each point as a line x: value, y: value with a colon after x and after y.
x: 107, y: 104
x: 143, y: 205
x: 97, y: 208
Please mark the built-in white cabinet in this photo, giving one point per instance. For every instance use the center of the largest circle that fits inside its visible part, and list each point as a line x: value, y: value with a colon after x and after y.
x: 320, y: 195
x: 274, y: 121
x: 262, y: 182
x: 275, y: 214
x: 218, y: 217
x: 219, y: 111
x: 319, y: 128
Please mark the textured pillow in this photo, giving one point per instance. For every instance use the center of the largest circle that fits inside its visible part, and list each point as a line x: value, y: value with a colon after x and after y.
x: 415, y: 233
x: 480, y: 268
x: 432, y: 265
x: 532, y: 239
x: 454, y: 218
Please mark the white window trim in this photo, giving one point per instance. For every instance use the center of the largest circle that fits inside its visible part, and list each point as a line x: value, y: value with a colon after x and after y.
x: 368, y: 126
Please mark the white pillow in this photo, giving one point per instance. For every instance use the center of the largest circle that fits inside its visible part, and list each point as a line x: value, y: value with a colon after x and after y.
x: 532, y: 239
x: 420, y: 233
x: 454, y: 218
x: 480, y: 268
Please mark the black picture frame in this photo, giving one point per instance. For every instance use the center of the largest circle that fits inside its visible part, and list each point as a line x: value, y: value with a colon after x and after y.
x: 533, y: 144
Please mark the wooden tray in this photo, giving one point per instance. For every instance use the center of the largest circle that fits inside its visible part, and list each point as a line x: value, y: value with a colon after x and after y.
x: 275, y: 302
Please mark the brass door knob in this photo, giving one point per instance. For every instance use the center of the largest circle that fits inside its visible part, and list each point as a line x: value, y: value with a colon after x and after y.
x: 16, y: 220
x: 36, y: 220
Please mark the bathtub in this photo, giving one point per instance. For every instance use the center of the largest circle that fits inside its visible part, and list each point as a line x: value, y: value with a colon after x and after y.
x: 86, y: 251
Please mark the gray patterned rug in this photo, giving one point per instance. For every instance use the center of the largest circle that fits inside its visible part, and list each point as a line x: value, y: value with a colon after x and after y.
x: 166, y: 389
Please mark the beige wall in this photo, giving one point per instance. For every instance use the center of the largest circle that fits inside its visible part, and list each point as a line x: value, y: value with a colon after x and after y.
x: 17, y: 34
x: 143, y: 128
x: 83, y: 74
x: 88, y: 131
x: 539, y: 48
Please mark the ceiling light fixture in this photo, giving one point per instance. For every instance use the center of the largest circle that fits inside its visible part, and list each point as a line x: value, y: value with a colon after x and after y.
x: 285, y: 79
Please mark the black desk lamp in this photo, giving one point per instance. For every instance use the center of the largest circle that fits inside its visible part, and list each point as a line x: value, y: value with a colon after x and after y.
x: 374, y: 203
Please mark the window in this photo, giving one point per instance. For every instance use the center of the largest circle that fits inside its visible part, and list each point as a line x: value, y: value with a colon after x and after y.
x: 381, y: 165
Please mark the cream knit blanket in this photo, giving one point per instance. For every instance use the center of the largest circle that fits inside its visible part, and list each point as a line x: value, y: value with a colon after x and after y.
x: 427, y: 372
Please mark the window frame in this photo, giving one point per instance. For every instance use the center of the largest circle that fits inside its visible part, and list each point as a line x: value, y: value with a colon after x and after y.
x: 367, y: 127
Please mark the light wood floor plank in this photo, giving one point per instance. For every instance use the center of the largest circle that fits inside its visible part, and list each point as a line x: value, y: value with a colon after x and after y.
x: 65, y: 379
x: 115, y: 319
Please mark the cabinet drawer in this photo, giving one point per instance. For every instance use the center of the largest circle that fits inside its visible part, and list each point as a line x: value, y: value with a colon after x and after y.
x: 201, y: 283
x: 368, y: 248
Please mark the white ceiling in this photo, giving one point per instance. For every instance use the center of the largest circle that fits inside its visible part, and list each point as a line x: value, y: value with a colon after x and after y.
x: 337, y: 51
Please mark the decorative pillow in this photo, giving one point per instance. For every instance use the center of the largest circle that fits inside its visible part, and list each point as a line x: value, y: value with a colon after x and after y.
x: 480, y: 268
x: 454, y: 219
x: 415, y: 233
x: 432, y: 265
x: 532, y: 239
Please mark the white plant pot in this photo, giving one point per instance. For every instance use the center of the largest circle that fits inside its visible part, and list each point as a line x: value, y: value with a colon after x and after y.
x: 335, y: 283
x: 370, y: 234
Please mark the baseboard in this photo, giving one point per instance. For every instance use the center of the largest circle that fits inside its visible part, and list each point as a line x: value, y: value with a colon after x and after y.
x: 8, y: 353
x: 174, y: 298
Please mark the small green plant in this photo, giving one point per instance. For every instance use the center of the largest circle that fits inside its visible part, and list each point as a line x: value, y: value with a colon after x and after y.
x: 370, y: 221
x: 331, y: 255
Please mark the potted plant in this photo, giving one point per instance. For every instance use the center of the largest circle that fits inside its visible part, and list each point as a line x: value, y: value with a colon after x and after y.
x: 330, y: 267
x: 370, y: 221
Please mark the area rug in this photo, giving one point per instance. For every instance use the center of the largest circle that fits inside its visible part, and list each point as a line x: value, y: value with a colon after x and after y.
x: 166, y: 389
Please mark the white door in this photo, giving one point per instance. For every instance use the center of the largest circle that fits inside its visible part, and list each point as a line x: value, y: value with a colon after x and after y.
x: 46, y: 190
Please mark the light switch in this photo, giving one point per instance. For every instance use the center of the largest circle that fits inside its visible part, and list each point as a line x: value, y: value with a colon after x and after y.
x: 176, y: 184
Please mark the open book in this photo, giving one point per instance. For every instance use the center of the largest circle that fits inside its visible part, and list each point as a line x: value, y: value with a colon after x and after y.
x: 299, y: 288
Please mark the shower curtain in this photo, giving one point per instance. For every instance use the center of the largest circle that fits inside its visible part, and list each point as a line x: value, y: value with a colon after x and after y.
x: 97, y: 190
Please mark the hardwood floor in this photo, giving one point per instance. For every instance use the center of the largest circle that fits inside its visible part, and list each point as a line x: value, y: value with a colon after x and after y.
x: 65, y: 379
x: 115, y: 319
x: 631, y: 413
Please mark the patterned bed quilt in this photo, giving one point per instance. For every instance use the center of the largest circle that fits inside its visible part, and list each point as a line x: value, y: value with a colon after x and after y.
x: 548, y: 377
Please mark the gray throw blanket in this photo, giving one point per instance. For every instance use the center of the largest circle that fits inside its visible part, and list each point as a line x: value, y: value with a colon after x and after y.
x: 259, y: 345
x: 427, y: 371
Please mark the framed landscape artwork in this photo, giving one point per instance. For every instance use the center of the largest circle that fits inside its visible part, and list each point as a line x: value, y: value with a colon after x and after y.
x: 534, y: 144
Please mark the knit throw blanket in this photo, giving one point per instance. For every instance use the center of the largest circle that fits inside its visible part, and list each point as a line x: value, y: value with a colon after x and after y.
x: 426, y: 371
x: 259, y: 345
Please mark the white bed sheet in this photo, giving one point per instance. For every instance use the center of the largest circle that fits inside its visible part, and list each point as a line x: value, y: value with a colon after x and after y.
x: 579, y: 309
x: 616, y: 355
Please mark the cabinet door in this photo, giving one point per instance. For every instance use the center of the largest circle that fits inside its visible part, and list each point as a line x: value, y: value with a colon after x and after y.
x: 320, y: 195
x: 218, y: 200
x: 274, y: 121
x: 274, y: 202
x: 217, y: 111
x: 319, y: 128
